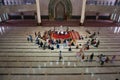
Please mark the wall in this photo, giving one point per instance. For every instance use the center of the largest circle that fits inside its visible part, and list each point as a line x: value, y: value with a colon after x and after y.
x: 76, y: 7
x: 17, y: 8
x: 44, y: 6
x: 100, y: 8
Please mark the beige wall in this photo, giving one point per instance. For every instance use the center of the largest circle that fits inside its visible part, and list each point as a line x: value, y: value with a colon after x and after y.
x: 100, y: 8
x: 17, y: 8
x: 107, y: 0
x: 76, y: 7
x: 44, y: 6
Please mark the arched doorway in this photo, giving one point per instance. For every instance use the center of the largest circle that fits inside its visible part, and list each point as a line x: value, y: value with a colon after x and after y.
x: 60, y: 11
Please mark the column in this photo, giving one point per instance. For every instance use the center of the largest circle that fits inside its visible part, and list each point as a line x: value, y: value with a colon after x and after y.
x: 116, y: 2
x: 2, y: 2
x: 114, y: 17
x: 22, y: 15
x: 117, y: 17
x: 83, y: 12
x: 97, y: 15
x: 7, y: 16
x: 111, y: 16
x: 0, y: 19
x: 38, y: 12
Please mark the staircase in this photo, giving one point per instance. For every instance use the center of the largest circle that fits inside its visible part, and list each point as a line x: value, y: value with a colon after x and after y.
x: 22, y: 60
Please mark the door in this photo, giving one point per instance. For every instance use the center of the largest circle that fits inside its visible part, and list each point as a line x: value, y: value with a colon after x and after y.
x: 59, y: 11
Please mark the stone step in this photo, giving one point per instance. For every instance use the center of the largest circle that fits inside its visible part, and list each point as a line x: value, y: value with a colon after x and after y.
x: 79, y: 41
x: 57, y: 50
x: 61, y: 77
x: 51, y: 51
x: 47, y: 58
x: 56, y: 71
x: 54, y: 54
x: 73, y: 47
x: 29, y: 43
x: 56, y: 64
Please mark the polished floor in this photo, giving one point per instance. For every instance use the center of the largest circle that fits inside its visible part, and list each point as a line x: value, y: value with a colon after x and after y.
x: 46, y: 23
x: 22, y: 60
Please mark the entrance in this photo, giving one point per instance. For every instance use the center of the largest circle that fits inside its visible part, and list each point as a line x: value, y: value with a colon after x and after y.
x: 59, y: 11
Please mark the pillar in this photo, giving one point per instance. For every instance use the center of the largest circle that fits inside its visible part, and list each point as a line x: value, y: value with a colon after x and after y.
x: 114, y: 17
x: 2, y: 2
x: 116, y: 2
x: 38, y: 12
x: 111, y: 16
x: 83, y: 12
x: 118, y: 19
x: 97, y: 15
x: 0, y: 19
x: 22, y: 15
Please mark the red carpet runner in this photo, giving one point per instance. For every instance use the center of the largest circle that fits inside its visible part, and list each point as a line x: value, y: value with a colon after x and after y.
x: 71, y: 34
x: 61, y: 36
x: 75, y: 35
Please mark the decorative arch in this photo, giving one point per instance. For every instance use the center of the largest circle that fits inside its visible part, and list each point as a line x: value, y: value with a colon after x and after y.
x: 67, y: 4
x: 59, y: 11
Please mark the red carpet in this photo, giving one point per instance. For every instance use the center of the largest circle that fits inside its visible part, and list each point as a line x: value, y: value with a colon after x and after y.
x: 75, y: 35
x: 60, y: 36
x: 71, y: 34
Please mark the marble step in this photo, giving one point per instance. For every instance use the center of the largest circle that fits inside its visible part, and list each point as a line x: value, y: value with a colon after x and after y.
x: 3, y: 59
x: 61, y: 77
x: 56, y: 71
x: 55, y: 54
x: 57, y: 64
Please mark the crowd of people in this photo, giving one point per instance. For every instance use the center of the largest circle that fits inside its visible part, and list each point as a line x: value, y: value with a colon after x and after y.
x: 47, y: 42
x: 93, y: 42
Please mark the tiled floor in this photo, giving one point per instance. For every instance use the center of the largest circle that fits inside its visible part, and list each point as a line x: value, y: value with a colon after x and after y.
x: 71, y: 22
x: 22, y: 60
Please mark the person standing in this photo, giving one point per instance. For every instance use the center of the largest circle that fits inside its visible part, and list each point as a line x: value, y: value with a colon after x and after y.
x: 97, y: 44
x: 39, y: 34
x: 69, y: 49
x: 77, y: 46
x: 113, y: 58
x: 107, y: 59
x: 60, y: 55
x: 102, y: 60
x: 29, y: 38
x: 58, y: 46
x: 91, y: 57
x: 41, y: 44
x: 35, y: 34
x: 37, y: 40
